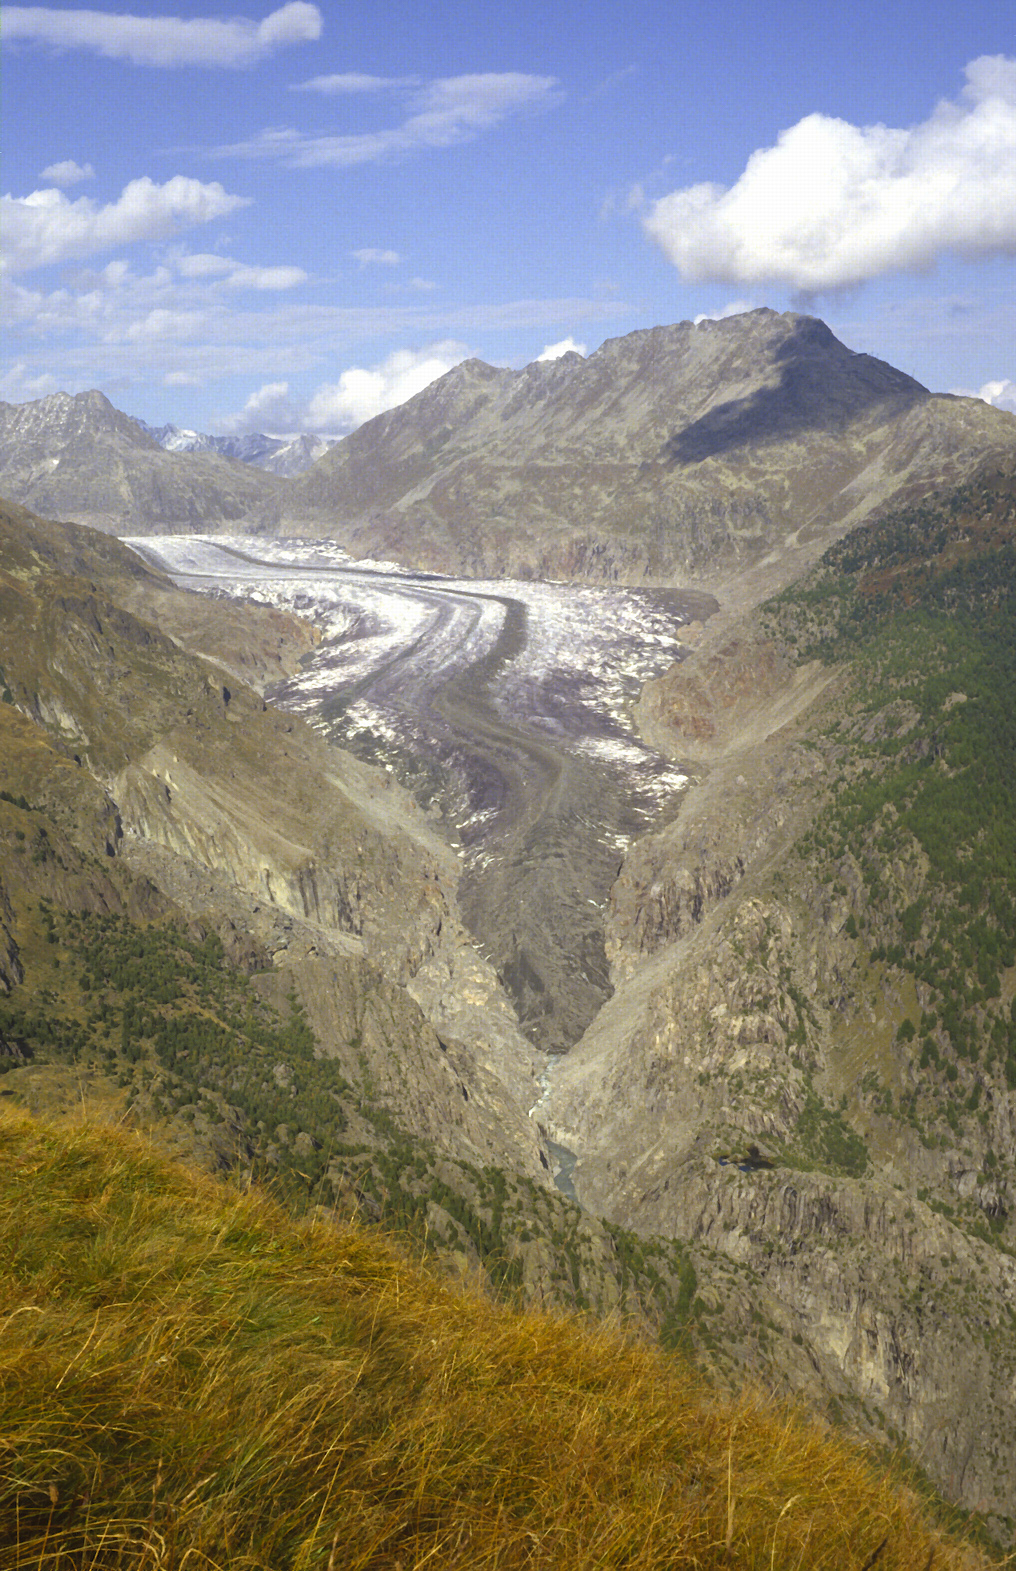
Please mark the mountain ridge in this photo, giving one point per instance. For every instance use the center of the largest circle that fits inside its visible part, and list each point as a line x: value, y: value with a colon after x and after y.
x: 276, y: 455
x: 674, y: 453
x: 695, y: 454
x: 78, y: 456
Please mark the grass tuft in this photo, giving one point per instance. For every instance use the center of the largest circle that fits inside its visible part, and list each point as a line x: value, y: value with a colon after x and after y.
x: 191, y: 1380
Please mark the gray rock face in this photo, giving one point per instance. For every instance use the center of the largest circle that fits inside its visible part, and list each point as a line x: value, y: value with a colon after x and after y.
x: 666, y: 455
x: 744, y: 1015
x: 78, y: 457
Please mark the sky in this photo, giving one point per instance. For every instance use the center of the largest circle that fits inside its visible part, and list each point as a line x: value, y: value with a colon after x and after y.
x: 294, y: 218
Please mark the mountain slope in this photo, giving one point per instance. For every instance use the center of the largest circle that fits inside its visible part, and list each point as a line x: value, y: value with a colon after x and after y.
x: 809, y: 1062
x: 217, y: 927
x: 684, y: 451
x: 138, y: 783
x: 186, y: 1371
x: 78, y: 457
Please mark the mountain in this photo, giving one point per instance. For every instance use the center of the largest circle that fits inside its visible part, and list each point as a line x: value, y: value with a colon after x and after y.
x: 276, y: 455
x: 678, y: 453
x: 683, y: 454
x: 809, y: 1060
x: 792, y: 1126
x: 791, y: 1130
x: 202, y: 801
x: 77, y: 456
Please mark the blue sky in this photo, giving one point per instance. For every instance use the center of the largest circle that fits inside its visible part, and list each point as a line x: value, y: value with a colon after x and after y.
x: 293, y: 218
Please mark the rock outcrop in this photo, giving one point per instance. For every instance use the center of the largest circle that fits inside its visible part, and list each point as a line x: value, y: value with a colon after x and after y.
x: 149, y: 772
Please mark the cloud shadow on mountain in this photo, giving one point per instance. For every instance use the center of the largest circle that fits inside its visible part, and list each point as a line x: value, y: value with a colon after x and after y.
x: 821, y: 388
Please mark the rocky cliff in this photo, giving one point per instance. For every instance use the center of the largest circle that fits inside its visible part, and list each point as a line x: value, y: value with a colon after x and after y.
x: 130, y: 764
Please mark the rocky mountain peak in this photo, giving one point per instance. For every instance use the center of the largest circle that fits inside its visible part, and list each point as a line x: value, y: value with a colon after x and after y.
x: 668, y: 452
x: 76, y: 456
x: 62, y: 420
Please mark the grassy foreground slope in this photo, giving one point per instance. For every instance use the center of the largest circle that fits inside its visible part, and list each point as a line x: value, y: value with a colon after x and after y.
x: 192, y: 1379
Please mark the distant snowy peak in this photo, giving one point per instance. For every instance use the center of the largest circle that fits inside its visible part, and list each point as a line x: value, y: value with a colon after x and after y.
x: 273, y: 453
x: 292, y: 458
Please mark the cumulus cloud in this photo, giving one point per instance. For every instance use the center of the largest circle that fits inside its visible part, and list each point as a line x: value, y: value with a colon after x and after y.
x: 48, y: 227
x: 444, y: 113
x: 360, y: 393
x: 567, y: 346
x: 833, y: 204
x: 369, y: 254
x: 165, y: 40
x: 1002, y: 394
x: 67, y: 173
x: 352, y: 82
x: 269, y: 409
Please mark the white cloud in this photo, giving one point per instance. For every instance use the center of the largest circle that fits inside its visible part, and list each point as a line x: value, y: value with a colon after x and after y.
x: 18, y: 384
x: 369, y: 254
x: 85, y: 328
x: 161, y: 324
x: 445, y: 113
x: 732, y: 308
x: 833, y: 204
x: 567, y: 346
x: 181, y: 379
x: 48, y: 227
x: 165, y: 40
x: 266, y: 277
x: 203, y: 264
x: 269, y: 409
x: 237, y: 275
x: 352, y: 82
x: 360, y: 394
x: 67, y: 173
x: 1002, y: 394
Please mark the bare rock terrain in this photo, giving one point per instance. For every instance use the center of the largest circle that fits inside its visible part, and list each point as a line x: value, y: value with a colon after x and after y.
x: 752, y: 1049
x: 154, y: 773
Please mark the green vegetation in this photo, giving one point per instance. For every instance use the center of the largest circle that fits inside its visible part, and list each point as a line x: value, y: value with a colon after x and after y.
x: 824, y: 1137
x: 921, y: 827
x: 192, y: 1379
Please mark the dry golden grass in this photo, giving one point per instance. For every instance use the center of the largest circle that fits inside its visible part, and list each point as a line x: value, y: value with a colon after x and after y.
x: 190, y: 1380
